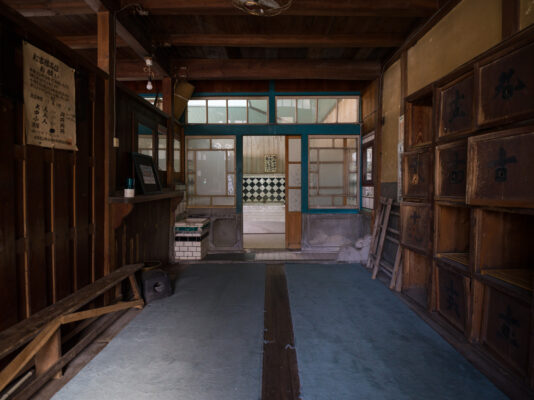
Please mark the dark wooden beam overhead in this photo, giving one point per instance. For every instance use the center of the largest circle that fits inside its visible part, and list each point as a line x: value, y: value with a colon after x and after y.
x: 199, y: 69
x: 133, y: 70
x: 50, y: 8
x: 283, y: 40
x: 86, y: 42
x: 344, y: 8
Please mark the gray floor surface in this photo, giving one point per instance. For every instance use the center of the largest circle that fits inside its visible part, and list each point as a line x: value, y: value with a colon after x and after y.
x: 205, y: 342
x: 356, y: 340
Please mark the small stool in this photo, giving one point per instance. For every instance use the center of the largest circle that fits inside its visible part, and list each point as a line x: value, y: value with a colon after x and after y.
x: 156, y: 285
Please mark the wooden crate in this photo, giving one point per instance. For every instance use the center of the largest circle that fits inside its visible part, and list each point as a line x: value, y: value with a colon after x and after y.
x: 419, y: 122
x: 452, y: 297
x: 416, y: 226
x: 505, y: 87
x: 506, y: 328
x: 417, y: 176
x: 456, y: 108
x: 503, y: 246
x: 452, y: 231
x: 451, y: 171
x: 416, y: 276
x: 500, y: 168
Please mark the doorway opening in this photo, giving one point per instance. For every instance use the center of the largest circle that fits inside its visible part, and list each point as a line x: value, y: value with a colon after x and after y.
x: 264, y: 192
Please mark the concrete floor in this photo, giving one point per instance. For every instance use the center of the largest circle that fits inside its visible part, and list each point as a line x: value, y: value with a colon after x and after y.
x: 203, y: 343
x: 354, y: 340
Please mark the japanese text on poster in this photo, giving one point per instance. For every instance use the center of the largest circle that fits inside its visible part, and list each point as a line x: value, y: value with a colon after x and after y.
x: 49, y: 100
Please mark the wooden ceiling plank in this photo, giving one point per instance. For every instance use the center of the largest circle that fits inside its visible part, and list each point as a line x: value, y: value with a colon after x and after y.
x: 283, y: 40
x: 81, y: 42
x: 200, y: 69
x: 394, y: 8
x: 49, y: 8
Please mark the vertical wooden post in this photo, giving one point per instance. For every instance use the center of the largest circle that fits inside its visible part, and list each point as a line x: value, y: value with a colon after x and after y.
x: 106, y: 61
x: 510, y: 17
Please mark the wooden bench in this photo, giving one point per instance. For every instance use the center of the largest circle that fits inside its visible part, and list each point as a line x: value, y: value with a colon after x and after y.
x: 40, y: 333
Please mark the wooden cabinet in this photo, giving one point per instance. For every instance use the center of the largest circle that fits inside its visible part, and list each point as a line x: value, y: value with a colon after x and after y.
x: 416, y: 222
x: 417, y: 178
x: 451, y: 171
x: 456, y: 108
x: 501, y: 168
x: 506, y: 328
x: 419, y: 122
x: 452, y: 235
x: 452, y: 300
x: 416, y: 276
x: 505, y: 87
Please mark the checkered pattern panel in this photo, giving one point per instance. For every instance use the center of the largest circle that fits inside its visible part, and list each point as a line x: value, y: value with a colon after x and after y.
x: 264, y: 190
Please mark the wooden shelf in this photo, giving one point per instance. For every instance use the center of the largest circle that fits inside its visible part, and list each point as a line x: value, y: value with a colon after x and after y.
x: 517, y: 277
x: 144, y: 198
x: 456, y: 258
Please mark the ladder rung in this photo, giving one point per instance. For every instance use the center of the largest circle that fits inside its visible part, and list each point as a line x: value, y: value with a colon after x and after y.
x: 394, y: 231
x: 391, y: 239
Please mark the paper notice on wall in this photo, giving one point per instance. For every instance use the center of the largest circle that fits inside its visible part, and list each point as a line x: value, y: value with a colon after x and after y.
x: 49, y: 100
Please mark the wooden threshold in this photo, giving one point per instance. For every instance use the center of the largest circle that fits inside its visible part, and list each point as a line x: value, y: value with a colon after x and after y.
x: 280, y: 370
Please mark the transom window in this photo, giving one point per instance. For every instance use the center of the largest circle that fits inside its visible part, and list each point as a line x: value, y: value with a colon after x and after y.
x: 228, y: 111
x: 317, y: 110
x: 211, y: 171
x: 333, y: 172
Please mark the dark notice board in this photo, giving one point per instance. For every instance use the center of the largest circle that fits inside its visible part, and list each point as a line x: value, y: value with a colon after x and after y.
x: 146, y: 174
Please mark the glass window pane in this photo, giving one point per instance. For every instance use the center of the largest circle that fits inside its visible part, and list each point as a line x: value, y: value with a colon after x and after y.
x: 237, y: 111
x: 331, y: 175
x: 196, y: 111
x: 177, y: 161
x: 198, y: 144
x: 285, y: 111
x: 327, y: 111
x: 162, y: 148
x: 313, y: 155
x: 331, y: 191
x: 216, y: 111
x: 369, y: 164
x: 347, y: 111
x: 144, y: 144
x: 294, y: 150
x: 353, y: 184
x: 223, y: 201
x: 320, y: 142
x: 339, y: 143
x: 353, y: 164
x: 320, y: 201
x: 197, y: 201
x: 222, y: 143
x: 307, y: 111
x: 258, y: 111
x: 331, y: 155
x: 231, y: 185
x: 211, y: 173
x: 351, y: 143
x: 231, y: 161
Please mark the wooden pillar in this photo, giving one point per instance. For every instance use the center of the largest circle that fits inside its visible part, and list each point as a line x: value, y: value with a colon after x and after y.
x: 106, y: 61
x: 168, y: 106
x: 510, y: 17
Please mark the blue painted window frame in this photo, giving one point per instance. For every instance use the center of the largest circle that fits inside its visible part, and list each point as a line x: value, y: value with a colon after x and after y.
x: 272, y: 128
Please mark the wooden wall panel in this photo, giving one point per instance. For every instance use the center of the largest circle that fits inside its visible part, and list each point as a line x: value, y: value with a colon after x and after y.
x: 9, y: 294
x: 256, y: 147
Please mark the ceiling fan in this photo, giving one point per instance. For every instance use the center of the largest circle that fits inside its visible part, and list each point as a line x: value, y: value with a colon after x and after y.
x: 262, y: 8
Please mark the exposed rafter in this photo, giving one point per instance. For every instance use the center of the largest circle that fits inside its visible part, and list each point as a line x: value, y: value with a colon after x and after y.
x: 86, y: 42
x: 383, y: 8
x: 283, y: 40
x: 198, y: 69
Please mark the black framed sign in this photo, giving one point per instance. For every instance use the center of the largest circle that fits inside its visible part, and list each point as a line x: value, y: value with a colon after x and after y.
x: 146, y: 173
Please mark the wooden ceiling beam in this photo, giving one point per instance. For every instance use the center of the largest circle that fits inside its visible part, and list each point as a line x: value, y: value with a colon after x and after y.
x: 239, y: 69
x: 133, y: 70
x: 82, y: 42
x: 285, y: 40
x: 49, y: 8
x: 342, y: 8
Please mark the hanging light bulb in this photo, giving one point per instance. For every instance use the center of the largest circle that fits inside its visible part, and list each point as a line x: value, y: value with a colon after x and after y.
x: 149, y: 84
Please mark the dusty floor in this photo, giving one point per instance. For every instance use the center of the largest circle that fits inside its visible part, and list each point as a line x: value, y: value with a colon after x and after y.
x: 354, y: 340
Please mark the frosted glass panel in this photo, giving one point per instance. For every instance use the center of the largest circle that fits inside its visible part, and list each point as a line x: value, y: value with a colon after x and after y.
x: 331, y: 175
x: 162, y: 152
x: 331, y: 155
x: 216, y: 111
x: 353, y: 184
x: 196, y: 111
x: 231, y: 161
x: 223, y: 201
x: 294, y: 200
x: 353, y: 165
x: 351, y: 143
x: 294, y: 150
x: 313, y: 155
x: 211, y: 173
x: 176, y: 145
x: 313, y: 180
x: 320, y: 142
x: 338, y: 143
x: 331, y: 191
x: 320, y: 201
x: 347, y: 111
x: 237, y: 111
x: 294, y: 175
x: 144, y: 144
x: 199, y: 201
x: 306, y: 111
x: 198, y: 144
x: 327, y: 111
x: 222, y: 144
x: 258, y: 112
x: 231, y: 184
x: 338, y: 201
x: 314, y: 167
x: 286, y: 111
